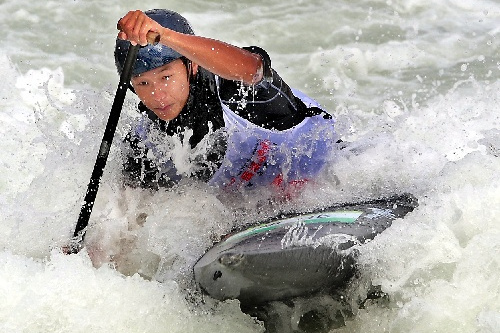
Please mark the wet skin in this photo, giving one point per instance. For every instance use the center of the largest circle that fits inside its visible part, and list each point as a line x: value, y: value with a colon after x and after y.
x: 164, y: 90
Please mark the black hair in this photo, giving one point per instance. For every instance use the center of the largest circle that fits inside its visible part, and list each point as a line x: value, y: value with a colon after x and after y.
x: 189, y: 68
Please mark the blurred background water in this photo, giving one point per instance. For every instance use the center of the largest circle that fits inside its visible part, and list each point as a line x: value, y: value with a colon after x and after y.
x: 414, y: 86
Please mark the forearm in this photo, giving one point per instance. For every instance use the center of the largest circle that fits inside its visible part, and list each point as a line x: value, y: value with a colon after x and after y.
x: 225, y: 60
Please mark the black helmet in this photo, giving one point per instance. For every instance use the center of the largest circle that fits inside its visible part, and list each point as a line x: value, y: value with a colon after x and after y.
x: 153, y: 56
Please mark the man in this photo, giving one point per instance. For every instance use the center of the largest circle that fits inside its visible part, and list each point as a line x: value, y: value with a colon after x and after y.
x: 253, y: 129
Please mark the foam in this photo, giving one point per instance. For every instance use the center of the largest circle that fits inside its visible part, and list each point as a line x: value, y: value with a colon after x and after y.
x: 413, y: 85
x: 67, y: 293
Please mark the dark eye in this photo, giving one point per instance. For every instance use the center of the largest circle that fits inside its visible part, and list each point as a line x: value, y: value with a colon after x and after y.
x: 142, y: 83
x: 166, y: 77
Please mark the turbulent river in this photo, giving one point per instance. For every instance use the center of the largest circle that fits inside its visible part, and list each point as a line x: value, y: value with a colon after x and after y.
x: 414, y: 86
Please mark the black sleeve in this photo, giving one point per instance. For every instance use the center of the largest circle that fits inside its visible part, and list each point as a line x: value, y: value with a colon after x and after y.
x: 269, y: 103
x: 141, y: 171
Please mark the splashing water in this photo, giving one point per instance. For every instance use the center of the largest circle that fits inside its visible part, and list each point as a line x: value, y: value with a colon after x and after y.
x: 414, y: 87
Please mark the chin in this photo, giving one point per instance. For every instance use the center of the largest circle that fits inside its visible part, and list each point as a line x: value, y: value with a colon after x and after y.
x: 167, y: 116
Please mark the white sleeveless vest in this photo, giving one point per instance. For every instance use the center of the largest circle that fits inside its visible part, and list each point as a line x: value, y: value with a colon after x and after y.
x: 256, y: 156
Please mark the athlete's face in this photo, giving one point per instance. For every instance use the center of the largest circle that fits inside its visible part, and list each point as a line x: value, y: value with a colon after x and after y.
x: 164, y: 90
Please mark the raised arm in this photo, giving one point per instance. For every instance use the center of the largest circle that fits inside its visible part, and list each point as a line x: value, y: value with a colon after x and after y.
x: 225, y: 60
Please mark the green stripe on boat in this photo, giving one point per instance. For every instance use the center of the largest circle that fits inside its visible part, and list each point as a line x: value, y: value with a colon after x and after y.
x: 342, y: 217
x: 327, y: 217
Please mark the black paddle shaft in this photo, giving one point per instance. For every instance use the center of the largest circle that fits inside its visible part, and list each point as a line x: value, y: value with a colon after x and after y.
x: 102, y: 156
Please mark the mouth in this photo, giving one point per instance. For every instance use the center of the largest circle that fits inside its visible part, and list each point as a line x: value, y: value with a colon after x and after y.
x: 165, y: 108
x: 165, y: 112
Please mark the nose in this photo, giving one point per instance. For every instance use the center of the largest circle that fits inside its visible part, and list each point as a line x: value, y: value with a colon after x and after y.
x: 159, y: 91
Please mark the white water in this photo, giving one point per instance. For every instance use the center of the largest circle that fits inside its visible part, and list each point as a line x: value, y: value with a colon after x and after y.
x: 414, y: 84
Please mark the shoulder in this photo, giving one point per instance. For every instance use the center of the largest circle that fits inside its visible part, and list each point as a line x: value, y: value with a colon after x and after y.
x: 266, y: 59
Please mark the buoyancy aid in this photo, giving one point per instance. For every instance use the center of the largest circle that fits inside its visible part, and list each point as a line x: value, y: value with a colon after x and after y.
x: 256, y: 156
